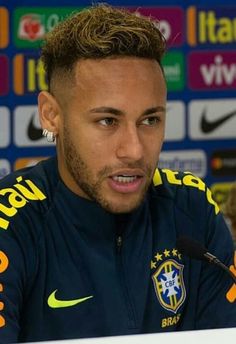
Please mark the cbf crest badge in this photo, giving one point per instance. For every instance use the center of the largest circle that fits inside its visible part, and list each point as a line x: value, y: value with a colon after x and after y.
x: 169, y: 285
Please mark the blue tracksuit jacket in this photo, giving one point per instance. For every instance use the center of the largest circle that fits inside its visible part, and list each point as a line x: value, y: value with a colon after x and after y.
x: 69, y: 269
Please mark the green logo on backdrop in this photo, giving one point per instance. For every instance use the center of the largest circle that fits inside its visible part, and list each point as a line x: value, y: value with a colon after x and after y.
x: 30, y: 24
x: 173, y: 64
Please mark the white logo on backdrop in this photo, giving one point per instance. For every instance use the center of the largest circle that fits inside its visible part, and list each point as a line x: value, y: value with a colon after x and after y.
x: 218, y: 72
x: 5, y: 167
x: 175, y: 121
x: 4, y: 126
x: 212, y: 119
x: 185, y: 160
x: 26, y: 127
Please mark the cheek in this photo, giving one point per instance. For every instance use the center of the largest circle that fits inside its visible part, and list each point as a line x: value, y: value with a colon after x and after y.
x: 153, y: 143
x: 92, y: 151
x: 102, y: 146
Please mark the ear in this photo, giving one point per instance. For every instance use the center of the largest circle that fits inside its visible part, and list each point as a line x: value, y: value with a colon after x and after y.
x: 49, y: 112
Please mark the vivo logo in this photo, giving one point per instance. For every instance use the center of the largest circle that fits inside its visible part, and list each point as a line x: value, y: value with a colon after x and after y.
x: 212, y: 70
x: 218, y: 72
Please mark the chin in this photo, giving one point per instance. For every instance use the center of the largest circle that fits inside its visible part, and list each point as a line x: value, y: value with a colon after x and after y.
x: 122, y: 207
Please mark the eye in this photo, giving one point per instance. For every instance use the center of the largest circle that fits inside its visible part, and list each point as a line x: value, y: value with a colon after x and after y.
x: 151, y: 121
x: 108, y: 121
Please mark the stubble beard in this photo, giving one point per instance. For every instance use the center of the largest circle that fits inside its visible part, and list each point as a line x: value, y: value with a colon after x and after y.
x: 93, y: 189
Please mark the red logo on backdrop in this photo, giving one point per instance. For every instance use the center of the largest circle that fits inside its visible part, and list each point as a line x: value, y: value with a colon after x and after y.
x: 4, y: 75
x: 31, y: 27
x: 169, y: 19
x: 223, y: 163
x: 212, y: 70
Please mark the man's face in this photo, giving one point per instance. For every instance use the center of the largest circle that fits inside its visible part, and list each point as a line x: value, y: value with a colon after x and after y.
x: 112, y: 130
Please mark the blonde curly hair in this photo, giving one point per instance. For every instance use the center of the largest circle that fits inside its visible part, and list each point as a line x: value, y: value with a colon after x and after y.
x: 100, y: 31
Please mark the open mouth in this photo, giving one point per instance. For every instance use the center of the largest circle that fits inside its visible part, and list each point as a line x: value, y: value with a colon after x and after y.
x: 125, y: 179
x: 125, y: 183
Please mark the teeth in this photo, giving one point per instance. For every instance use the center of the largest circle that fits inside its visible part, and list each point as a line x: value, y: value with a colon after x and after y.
x: 124, y: 179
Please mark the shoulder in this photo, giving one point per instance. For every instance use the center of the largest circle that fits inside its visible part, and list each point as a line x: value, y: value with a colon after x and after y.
x: 186, y: 200
x: 27, y: 191
x: 187, y: 191
x: 26, y: 196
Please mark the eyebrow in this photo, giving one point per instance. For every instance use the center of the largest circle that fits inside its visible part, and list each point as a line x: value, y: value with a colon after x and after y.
x: 116, y: 112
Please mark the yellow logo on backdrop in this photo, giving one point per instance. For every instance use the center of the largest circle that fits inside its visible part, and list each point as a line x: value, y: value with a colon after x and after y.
x: 29, y: 74
x: 220, y: 192
x: 4, y: 27
x: 210, y: 26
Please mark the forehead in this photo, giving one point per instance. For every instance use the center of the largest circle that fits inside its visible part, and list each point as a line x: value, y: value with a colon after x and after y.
x: 119, y: 78
x: 120, y: 68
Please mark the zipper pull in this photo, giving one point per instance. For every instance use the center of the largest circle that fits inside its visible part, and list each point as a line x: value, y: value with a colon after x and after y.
x: 119, y: 243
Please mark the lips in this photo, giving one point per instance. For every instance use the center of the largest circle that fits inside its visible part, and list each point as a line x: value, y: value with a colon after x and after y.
x: 126, y: 182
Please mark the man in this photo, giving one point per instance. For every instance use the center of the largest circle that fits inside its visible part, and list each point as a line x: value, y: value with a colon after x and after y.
x: 88, y: 239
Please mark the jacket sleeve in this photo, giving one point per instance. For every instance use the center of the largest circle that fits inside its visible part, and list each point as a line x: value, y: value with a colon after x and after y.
x: 17, y: 270
x: 12, y: 277
x: 212, y: 303
x: 216, y: 302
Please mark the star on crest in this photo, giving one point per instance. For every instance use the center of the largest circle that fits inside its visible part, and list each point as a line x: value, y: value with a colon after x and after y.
x: 153, y: 264
x: 174, y: 252
x: 158, y: 256
x: 166, y: 253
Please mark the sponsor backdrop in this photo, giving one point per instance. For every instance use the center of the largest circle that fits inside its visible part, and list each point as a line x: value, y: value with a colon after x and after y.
x: 200, y: 69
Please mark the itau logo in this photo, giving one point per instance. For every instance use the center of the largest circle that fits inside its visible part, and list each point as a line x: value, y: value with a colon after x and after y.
x: 213, y: 26
x: 31, y: 27
x: 29, y: 74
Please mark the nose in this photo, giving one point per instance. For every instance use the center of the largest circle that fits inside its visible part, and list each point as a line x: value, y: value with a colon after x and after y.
x: 129, y: 146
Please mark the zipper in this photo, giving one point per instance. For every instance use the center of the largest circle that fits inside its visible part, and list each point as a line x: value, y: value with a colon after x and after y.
x: 125, y: 288
x: 119, y: 242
